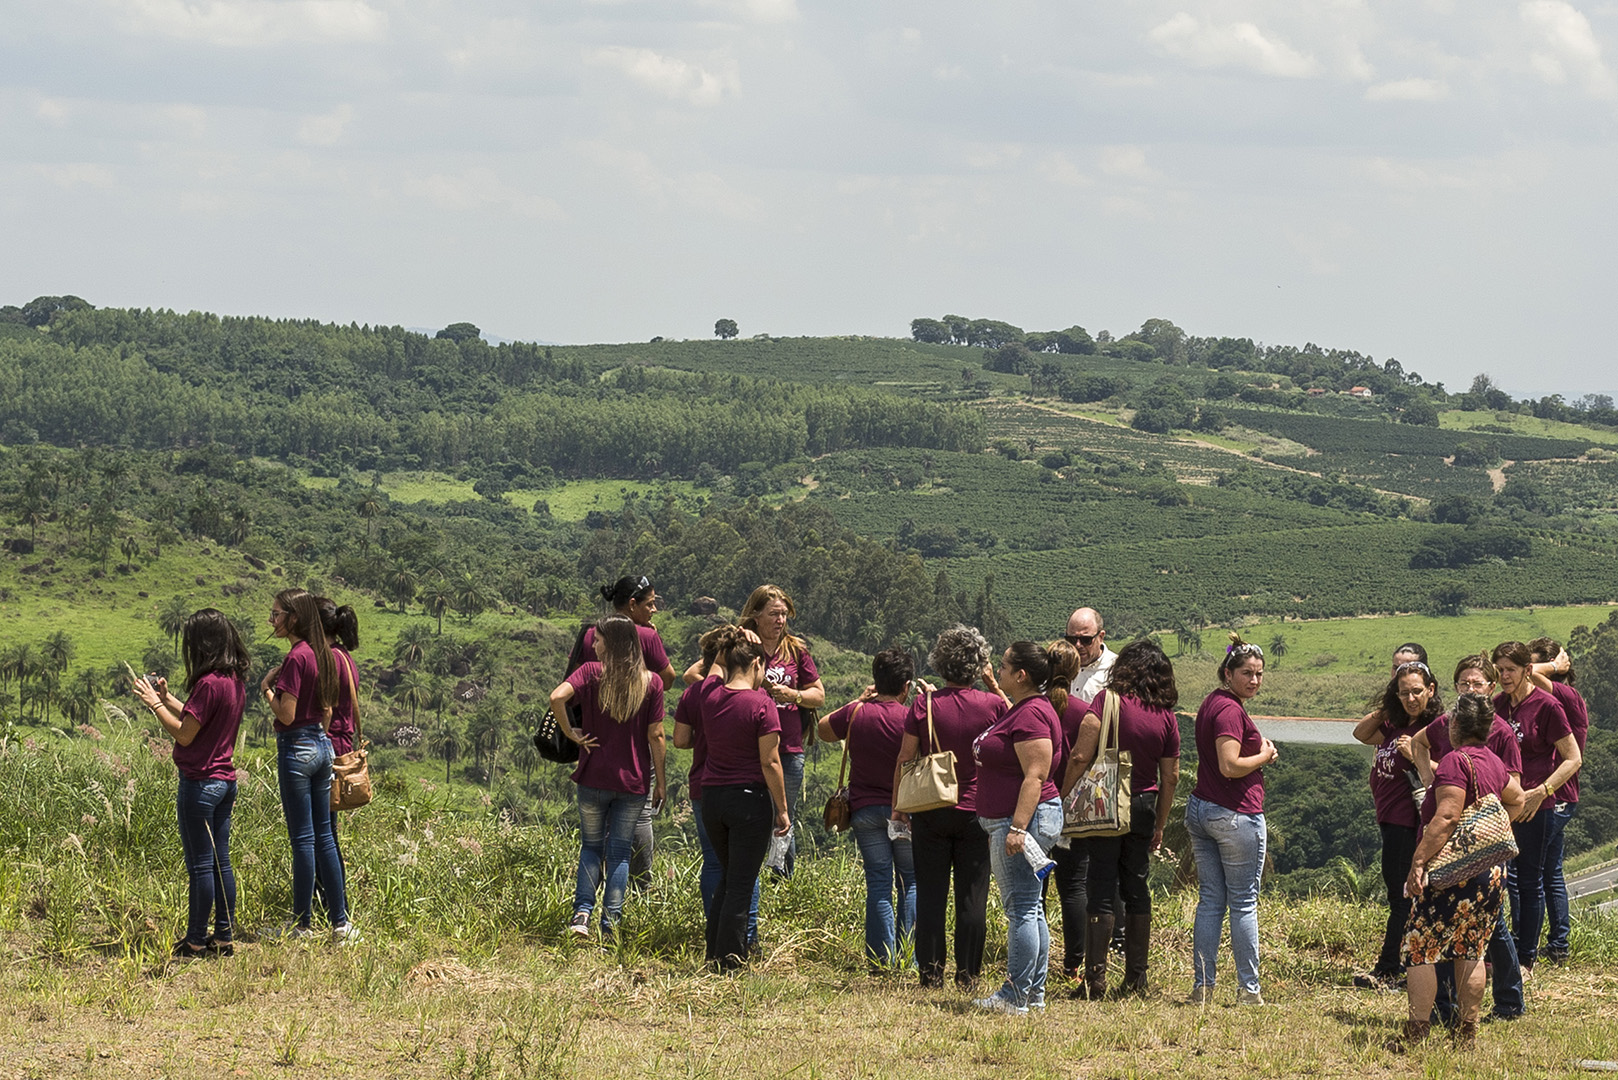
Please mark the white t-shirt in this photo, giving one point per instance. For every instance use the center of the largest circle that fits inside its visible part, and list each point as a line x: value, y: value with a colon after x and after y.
x: 1090, y: 680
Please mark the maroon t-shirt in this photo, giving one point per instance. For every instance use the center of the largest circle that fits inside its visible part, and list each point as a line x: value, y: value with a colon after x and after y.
x: 878, y: 730
x: 734, y: 721
x: 300, y: 677
x: 1539, y: 722
x: 651, y: 648
x: 1223, y: 715
x: 1000, y: 772
x: 780, y: 671
x: 1502, y: 740
x: 1578, y: 718
x: 1390, y: 778
x: 623, y: 759
x: 688, y: 711
x: 344, y: 712
x: 960, y: 715
x: 1072, y: 716
x: 1148, y: 734
x: 1489, y: 771
x: 216, y: 702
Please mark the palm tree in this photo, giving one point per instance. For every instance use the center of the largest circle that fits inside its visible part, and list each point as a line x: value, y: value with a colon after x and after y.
x: 444, y: 741
x: 171, y: 619
x: 1278, y: 647
x: 130, y: 547
x: 471, y: 598
x: 486, y: 732
x: 437, y: 598
x: 523, y: 754
x: 872, y: 633
x: 58, y: 651
x: 415, y: 690
x: 411, y: 648
x: 916, y: 644
x: 369, y: 508
x: 401, y: 583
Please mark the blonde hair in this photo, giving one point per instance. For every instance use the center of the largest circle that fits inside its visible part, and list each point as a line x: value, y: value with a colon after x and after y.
x: 761, y: 598
x: 1066, y: 664
x: 623, y: 668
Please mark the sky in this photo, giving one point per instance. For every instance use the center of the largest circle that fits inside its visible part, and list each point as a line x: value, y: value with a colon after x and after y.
x: 1421, y: 179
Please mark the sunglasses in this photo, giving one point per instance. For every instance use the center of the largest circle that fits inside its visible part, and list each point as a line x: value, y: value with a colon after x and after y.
x: 1081, y: 640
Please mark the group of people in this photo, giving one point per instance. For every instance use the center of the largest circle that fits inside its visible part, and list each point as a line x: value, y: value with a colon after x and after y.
x: 314, y: 698
x: 1023, y: 727
x: 1516, y: 731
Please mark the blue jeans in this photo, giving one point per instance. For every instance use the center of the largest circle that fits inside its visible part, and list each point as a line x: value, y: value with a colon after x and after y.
x: 792, y: 774
x: 204, y: 812
x: 1555, y: 883
x: 607, y: 822
x: 1526, y: 886
x: 1028, y: 937
x: 708, y: 879
x: 303, y: 768
x: 887, y: 924
x: 1229, y: 848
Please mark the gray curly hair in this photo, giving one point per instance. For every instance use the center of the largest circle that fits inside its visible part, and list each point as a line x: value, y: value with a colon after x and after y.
x: 959, y: 654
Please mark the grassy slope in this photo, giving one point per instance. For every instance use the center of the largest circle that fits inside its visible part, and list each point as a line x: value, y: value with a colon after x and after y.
x: 1461, y: 420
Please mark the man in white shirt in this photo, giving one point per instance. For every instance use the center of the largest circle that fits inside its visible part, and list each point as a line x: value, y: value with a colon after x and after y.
x: 1086, y: 633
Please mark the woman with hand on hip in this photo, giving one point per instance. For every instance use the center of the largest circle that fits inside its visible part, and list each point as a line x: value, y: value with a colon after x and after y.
x: 1225, y: 817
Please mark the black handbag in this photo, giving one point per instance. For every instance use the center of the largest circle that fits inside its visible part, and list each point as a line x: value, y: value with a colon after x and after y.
x: 552, y: 742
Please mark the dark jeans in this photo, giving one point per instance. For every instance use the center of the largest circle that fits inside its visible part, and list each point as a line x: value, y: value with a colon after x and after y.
x: 1119, y: 865
x: 1505, y: 978
x: 1071, y: 874
x: 204, y: 812
x: 1555, y: 884
x: 1398, y: 850
x: 950, y: 841
x: 1527, y: 885
x: 708, y: 878
x: 739, y: 819
x: 303, y: 770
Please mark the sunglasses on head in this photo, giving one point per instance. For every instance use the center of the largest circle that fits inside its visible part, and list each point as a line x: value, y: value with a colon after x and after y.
x: 1081, y: 640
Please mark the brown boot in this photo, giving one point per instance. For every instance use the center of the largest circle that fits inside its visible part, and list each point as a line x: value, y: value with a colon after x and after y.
x: 1465, y: 1035
x: 1137, y: 947
x: 1097, y: 939
x: 1415, y: 1031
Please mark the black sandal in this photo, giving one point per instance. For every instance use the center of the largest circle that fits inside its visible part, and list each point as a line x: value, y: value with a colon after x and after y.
x: 183, y: 951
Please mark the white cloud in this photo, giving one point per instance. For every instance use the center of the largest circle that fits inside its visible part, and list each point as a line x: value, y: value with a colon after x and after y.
x: 326, y: 129
x: 480, y: 189
x: 78, y: 174
x: 1408, y: 90
x: 241, y: 23
x: 1127, y: 163
x: 1060, y: 169
x: 758, y: 11
x: 669, y: 75
x: 707, y: 192
x: 1567, y: 48
x: 1238, y: 44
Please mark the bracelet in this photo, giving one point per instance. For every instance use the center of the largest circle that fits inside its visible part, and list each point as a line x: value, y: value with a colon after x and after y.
x: 1020, y: 832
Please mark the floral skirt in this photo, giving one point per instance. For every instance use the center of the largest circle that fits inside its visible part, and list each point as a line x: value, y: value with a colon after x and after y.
x: 1454, y: 923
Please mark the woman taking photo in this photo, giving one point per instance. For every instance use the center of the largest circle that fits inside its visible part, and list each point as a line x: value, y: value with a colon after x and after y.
x: 873, y: 729
x: 1553, y: 672
x: 302, y: 693
x: 1143, y: 680
x: 1454, y: 924
x: 634, y: 598
x: 1018, y: 805
x: 949, y: 840
x: 744, y: 800
x: 1550, y: 755
x: 620, y: 737
x: 792, y: 681
x: 1225, y: 817
x: 1408, y: 705
x: 204, y: 729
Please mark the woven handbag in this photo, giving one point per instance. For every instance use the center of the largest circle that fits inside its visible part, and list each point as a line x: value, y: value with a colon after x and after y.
x: 839, y: 815
x: 1482, y: 838
x: 1099, y: 803
x: 351, y: 772
x: 927, y: 781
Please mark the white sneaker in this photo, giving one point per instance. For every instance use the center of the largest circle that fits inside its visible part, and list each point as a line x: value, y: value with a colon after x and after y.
x: 287, y: 931
x: 579, y: 925
x: 1249, y: 997
x: 998, y: 1004
x: 346, y: 934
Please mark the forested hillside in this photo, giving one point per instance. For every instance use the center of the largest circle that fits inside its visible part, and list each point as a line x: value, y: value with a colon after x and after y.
x: 153, y: 462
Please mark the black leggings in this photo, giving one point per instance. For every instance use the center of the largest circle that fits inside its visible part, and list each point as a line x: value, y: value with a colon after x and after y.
x: 739, y: 819
x: 1398, y: 850
x: 945, y: 841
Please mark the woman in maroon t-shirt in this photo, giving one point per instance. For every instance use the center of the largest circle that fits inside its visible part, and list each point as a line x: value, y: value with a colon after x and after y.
x: 792, y: 680
x: 342, y: 626
x: 1225, y: 817
x: 620, y: 737
x: 948, y: 842
x: 1454, y: 923
x: 204, y: 728
x: 1550, y: 756
x: 872, y: 730
x: 1143, y: 680
x: 1408, y: 705
x: 1553, y: 672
